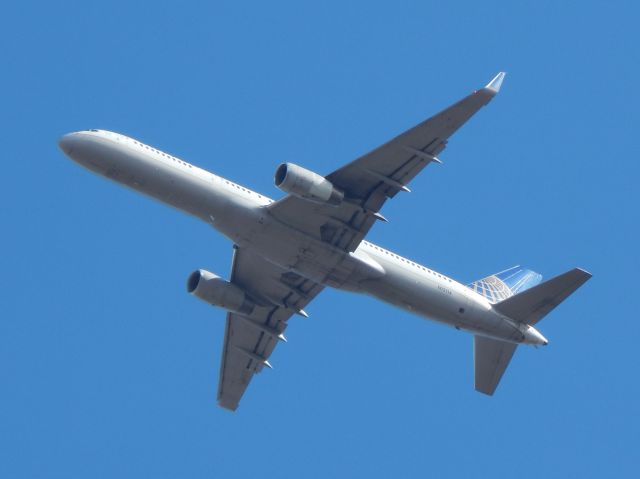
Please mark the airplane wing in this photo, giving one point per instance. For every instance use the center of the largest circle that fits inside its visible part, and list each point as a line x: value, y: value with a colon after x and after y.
x: 380, y: 174
x: 250, y: 340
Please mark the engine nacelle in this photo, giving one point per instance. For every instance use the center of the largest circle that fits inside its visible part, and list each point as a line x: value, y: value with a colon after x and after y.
x: 215, y: 290
x: 307, y: 185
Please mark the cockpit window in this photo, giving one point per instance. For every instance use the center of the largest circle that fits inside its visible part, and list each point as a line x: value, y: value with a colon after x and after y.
x: 93, y: 129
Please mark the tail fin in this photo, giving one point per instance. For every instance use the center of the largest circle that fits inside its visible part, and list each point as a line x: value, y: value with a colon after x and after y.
x: 535, y: 303
x: 530, y: 305
x: 490, y: 359
x: 505, y: 284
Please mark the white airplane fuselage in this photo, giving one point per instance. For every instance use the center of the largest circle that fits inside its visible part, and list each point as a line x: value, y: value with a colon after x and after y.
x: 242, y: 215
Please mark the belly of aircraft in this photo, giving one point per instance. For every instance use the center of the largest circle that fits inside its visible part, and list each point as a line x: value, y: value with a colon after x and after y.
x: 418, y: 293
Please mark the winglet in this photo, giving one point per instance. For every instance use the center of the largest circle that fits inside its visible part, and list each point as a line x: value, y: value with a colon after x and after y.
x: 495, y: 84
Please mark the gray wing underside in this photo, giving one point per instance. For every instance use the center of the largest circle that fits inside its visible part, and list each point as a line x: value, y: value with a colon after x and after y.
x: 249, y: 341
x: 380, y: 174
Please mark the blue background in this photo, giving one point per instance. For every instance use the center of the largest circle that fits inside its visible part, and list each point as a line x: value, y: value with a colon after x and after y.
x: 108, y: 368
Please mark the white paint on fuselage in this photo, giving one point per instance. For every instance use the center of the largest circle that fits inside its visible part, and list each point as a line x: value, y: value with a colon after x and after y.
x: 240, y: 214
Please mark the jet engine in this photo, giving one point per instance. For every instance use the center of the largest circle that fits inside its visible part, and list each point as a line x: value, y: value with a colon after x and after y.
x: 306, y: 184
x: 215, y: 290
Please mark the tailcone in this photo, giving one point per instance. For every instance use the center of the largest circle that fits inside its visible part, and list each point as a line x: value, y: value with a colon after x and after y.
x: 533, y: 336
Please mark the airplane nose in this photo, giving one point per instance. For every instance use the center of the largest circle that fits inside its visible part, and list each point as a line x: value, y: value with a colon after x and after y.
x: 66, y: 143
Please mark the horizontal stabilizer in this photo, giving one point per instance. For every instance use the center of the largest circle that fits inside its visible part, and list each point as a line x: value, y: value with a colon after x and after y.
x: 535, y: 303
x: 490, y: 359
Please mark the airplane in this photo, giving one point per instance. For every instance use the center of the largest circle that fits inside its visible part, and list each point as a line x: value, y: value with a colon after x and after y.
x: 287, y: 251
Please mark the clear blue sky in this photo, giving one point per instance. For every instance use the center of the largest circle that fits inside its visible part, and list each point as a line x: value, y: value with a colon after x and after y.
x: 108, y: 368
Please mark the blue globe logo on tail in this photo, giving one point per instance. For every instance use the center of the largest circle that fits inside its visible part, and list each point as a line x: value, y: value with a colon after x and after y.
x: 503, y: 285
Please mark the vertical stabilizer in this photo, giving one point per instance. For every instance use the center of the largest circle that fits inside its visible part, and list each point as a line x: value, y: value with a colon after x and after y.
x: 503, y: 285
